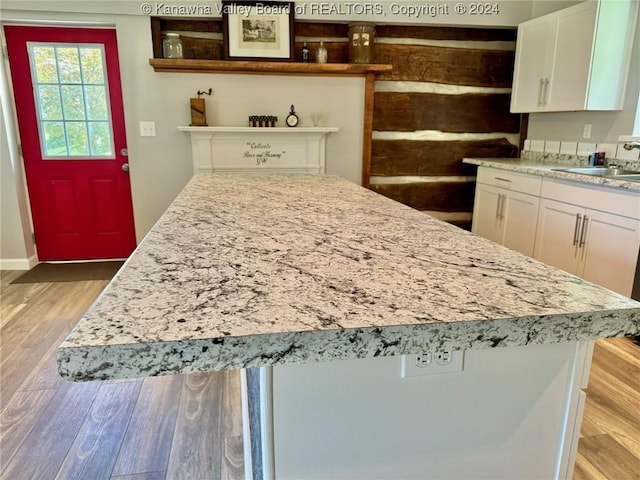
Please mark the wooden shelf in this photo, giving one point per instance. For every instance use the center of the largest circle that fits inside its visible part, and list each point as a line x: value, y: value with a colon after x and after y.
x: 275, y: 68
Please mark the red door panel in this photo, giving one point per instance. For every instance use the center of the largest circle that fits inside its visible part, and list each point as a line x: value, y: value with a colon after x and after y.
x: 80, y: 202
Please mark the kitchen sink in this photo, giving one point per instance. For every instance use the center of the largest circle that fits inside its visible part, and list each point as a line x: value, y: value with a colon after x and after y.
x: 602, y: 171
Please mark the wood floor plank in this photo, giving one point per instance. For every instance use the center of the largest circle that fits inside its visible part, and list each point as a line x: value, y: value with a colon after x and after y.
x: 584, y: 470
x: 233, y: 450
x: 611, y: 359
x: 197, y: 444
x: 619, y: 416
x: 24, y: 360
x: 9, y: 311
x: 589, y: 425
x: 45, y: 448
x: 607, y: 455
x: 98, y: 442
x: 41, y: 324
x: 625, y: 402
x: 622, y: 348
x: 45, y: 374
x: 18, y: 419
x: 23, y: 293
x: 143, y: 476
x: 147, y: 443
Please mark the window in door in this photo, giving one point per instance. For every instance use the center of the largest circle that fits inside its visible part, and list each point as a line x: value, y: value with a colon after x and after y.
x: 72, y: 103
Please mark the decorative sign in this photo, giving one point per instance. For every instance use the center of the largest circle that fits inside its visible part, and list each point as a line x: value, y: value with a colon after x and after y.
x: 262, y: 152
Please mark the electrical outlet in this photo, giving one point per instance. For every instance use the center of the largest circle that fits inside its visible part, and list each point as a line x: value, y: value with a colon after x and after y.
x: 431, y: 363
x: 586, y: 130
x: 148, y: 129
x: 424, y: 359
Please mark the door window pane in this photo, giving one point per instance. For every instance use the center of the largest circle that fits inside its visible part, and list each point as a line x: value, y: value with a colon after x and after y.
x: 69, y: 65
x: 72, y: 100
x: 50, y: 104
x: 100, y: 139
x: 55, y: 141
x: 77, y: 138
x: 96, y: 103
x: 45, y: 63
x: 91, y: 60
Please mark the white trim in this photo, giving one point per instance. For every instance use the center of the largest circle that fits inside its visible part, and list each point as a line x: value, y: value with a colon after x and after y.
x: 574, y: 409
x: 246, y: 429
x: 507, y: 45
x: 266, y: 423
x: 18, y: 263
x: 444, y: 136
x: 404, y: 179
x: 433, y: 87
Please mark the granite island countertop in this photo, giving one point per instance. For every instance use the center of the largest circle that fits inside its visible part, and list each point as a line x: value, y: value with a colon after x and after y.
x: 253, y: 270
x: 550, y: 170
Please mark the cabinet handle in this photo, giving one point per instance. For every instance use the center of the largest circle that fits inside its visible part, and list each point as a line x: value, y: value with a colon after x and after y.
x: 576, y: 229
x: 583, y: 232
x: 502, y: 179
x: 545, y: 92
x: 504, y: 200
x: 498, y: 206
x: 540, y: 85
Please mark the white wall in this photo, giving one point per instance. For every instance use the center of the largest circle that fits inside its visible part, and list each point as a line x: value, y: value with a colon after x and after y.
x: 16, y: 248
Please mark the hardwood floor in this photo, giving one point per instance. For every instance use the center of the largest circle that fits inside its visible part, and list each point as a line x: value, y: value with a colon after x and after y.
x: 188, y: 426
x: 176, y: 427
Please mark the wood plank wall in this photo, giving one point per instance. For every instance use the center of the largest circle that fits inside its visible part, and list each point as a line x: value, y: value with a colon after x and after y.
x: 447, y: 98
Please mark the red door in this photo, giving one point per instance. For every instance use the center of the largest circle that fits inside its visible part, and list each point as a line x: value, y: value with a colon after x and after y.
x: 69, y: 106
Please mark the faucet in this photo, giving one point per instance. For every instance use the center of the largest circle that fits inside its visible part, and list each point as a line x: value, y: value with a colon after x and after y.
x: 631, y: 145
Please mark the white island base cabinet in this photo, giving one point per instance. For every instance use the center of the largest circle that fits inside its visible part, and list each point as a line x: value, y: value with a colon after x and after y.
x: 511, y: 413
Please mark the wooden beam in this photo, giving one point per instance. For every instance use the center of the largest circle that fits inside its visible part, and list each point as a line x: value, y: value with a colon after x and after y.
x: 367, y: 128
x: 474, y: 112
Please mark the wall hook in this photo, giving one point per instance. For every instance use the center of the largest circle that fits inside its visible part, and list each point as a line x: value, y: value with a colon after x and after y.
x: 205, y: 92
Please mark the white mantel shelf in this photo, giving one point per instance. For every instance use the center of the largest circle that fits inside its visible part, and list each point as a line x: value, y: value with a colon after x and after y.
x: 269, y: 130
x: 258, y: 149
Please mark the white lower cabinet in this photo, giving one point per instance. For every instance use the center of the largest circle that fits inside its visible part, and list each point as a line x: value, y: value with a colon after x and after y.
x: 589, y: 231
x: 597, y: 246
x: 503, y: 213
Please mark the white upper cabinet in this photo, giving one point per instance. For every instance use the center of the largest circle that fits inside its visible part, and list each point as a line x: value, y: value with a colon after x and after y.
x: 575, y: 59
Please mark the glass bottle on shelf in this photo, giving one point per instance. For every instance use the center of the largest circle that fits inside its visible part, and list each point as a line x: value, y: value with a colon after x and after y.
x: 172, y: 46
x: 321, y: 53
x: 305, y: 53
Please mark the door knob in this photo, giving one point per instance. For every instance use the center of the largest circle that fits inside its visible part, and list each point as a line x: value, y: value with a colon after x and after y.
x: 124, y: 152
x: 125, y: 167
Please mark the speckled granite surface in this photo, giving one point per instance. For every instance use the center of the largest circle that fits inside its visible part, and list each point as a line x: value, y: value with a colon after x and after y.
x: 546, y: 166
x: 259, y: 270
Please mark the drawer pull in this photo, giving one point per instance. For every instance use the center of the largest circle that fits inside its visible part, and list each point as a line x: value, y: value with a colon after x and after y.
x: 583, y: 233
x: 500, y: 179
x: 576, y: 229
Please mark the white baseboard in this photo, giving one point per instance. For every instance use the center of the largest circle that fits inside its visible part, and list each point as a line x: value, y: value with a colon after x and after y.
x: 18, y: 263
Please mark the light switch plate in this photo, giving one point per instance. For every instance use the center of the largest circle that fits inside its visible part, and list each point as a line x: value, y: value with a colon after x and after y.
x: 147, y: 129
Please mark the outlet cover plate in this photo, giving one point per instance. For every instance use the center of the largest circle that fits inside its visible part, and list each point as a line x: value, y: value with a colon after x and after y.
x: 409, y: 365
x: 148, y: 129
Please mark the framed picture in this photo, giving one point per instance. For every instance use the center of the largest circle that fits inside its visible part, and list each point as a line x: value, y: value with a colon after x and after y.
x: 255, y: 30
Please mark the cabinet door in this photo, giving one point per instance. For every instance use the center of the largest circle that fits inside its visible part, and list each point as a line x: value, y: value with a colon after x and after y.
x: 533, y: 61
x: 610, y: 251
x: 486, y: 221
x: 520, y: 213
x: 567, y: 89
x: 557, y: 234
